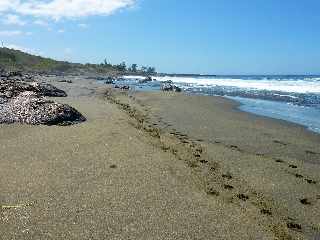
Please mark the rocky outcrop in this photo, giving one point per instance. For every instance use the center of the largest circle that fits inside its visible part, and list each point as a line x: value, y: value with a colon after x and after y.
x: 16, y: 76
x: 65, y: 81
x: 31, y: 108
x: 146, y: 80
x: 169, y: 86
x: 109, y: 80
x: 25, y: 102
x: 48, y: 90
x: 124, y: 87
x: 11, y: 88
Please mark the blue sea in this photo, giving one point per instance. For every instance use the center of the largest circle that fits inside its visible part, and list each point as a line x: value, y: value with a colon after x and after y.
x: 292, y: 98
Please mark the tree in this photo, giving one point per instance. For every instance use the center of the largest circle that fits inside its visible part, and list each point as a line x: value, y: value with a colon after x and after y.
x: 122, y: 67
x: 105, y: 63
x: 134, y: 67
x: 144, y: 69
x: 151, y: 70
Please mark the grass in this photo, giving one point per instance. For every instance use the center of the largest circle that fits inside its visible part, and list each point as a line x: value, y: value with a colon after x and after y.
x: 15, y: 60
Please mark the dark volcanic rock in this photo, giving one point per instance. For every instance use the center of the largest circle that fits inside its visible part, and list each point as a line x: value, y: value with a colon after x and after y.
x: 16, y: 76
x: 49, y: 90
x: 147, y: 79
x: 109, y: 80
x: 169, y: 86
x: 23, y: 102
x: 177, y: 89
x: 31, y: 108
x: 124, y: 87
x: 11, y: 88
x: 64, y: 81
x: 11, y: 74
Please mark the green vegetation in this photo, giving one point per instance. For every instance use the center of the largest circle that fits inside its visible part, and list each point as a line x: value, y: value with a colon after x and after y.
x: 12, y: 60
x: 15, y: 60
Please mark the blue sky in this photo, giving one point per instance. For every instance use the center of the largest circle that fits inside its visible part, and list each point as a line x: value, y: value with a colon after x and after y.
x: 184, y: 36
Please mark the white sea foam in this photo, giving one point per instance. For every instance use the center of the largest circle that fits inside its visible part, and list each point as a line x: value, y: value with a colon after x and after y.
x: 303, y: 85
x: 290, y: 85
x: 134, y: 77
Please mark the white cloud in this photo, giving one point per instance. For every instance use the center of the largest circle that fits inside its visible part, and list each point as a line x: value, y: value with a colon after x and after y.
x: 12, y: 19
x: 13, y: 33
x: 58, y: 9
x: 23, y: 49
x: 41, y: 23
x: 6, y: 5
x: 10, y: 33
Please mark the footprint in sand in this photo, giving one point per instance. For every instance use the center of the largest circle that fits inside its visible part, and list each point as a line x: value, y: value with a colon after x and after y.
x: 294, y: 226
x: 305, y: 201
x: 243, y: 197
x: 293, y: 166
x: 280, y: 142
x: 266, y: 212
x: 227, y: 176
x: 213, y: 192
x: 204, y: 161
x: 228, y: 187
x: 113, y: 166
x: 279, y: 160
x: 234, y: 147
x: 310, y: 181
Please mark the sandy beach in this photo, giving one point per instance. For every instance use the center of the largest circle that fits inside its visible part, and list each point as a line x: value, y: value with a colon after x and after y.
x: 154, y: 165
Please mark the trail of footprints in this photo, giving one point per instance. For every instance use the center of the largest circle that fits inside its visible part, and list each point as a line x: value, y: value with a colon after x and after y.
x: 297, y: 175
x: 227, y: 179
x: 222, y: 184
x: 235, y: 191
x: 218, y: 183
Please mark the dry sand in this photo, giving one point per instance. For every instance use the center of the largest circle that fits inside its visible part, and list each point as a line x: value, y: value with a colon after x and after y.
x: 158, y: 166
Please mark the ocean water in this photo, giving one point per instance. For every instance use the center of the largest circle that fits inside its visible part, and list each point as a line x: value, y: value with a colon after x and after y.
x: 292, y: 98
x: 306, y: 116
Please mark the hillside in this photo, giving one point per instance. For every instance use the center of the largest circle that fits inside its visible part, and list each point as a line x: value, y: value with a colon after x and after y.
x: 15, y: 60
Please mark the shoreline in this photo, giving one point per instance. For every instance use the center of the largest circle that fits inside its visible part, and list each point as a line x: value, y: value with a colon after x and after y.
x: 238, y: 104
x: 158, y: 165
x: 294, y: 124
x: 290, y: 123
x: 233, y: 106
x: 252, y: 93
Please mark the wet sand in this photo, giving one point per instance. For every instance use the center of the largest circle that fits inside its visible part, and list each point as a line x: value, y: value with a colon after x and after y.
x: 158, y: 166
